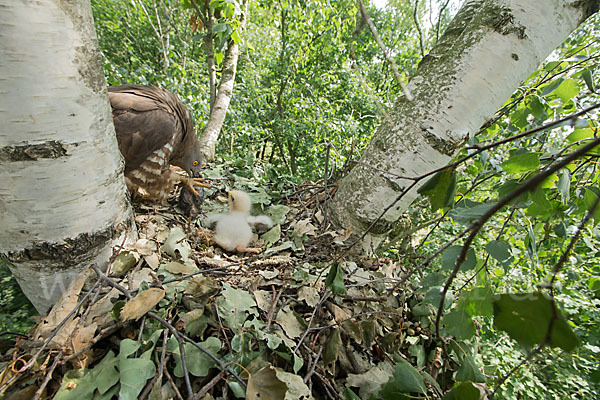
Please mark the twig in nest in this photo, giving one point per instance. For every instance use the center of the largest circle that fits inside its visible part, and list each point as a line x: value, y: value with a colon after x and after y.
x: 159, y: 373
x: 379, y: 299
x: 38, y: 393
x: 49, y: 338
x: 172, y: 382
x: 312, y: 317
x: 273, y: 306
x: 311, y: 369
x: 221, y: 327
x: 171, y: 328
x: 178, y: 335
x: 210, y: 385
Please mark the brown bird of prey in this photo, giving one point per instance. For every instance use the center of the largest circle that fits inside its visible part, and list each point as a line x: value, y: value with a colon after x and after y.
x: 154, y: 129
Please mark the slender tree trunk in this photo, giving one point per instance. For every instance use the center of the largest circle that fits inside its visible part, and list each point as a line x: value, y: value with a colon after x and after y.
x: 210, y: 57
x: 62, y: 197
x: 208, y: 141
x: 490, y: 47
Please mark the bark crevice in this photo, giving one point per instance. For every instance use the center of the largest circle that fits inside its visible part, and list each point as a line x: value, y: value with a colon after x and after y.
x: 69, y: 251
x: 32, y: 152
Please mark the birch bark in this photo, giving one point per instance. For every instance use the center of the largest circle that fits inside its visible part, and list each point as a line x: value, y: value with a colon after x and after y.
x: 62, y: 192
x: 490, y: 47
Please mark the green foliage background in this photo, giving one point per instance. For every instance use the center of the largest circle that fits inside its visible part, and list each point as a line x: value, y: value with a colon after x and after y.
x: 296, y: 92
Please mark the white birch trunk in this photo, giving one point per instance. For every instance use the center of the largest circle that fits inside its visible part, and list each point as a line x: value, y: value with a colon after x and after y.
x: 62, y: 191
x: 218, y: 110
x: 488, y: 50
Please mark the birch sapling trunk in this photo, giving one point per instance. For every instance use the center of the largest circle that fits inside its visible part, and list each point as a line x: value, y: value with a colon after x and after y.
x: 218, y: 111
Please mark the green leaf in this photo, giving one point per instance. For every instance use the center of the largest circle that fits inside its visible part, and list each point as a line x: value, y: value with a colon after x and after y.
x: 220, y: 28
x: 468, y: 211
x: 469, y: 371
x: 440, y: 189
x: 197, y: 362
x: 350, y: 395
x: 586, y: 74
x: 523, y: 162
x: 272, y: 236
x: 235, y: 305
x: 133, y: 372
x: 176, y: 244
x: 450, y: 255
x: 463, y: 391
x: 477, y: 301
x: 564, y: 185
x: 235, y: 36
x: 82, y: 384
x: 526, y: 318
x: 579, y: 134
x: 537, y: 108
x: 459, y: 324
x: 594, y: 286
x: 589, y: 199
x: 76, y: 385
x: 567, y: 90
x: 107, y: 375
x: 540, y: 206
x: 500, y: 251
x: 551, y: 87
x: 434, y: 296
x: 278, y: 213
x: 335, y: 279
x: 418, y: 351
x: 519, y: 118
x: 406, y: 379
x: 332, y: 348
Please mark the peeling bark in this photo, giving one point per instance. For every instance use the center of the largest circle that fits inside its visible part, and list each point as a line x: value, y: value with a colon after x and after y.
x: 62, y: 198
x: 489, y: 48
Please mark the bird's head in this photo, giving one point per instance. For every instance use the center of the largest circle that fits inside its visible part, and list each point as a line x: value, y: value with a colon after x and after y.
x: 192, y: 161
x: 239, y: 201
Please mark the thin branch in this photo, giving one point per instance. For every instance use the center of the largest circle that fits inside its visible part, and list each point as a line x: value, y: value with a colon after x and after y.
x: 385, y: 51
x: 155, y: 316
x: 476, y: 226
x: 418, y: 26
x: 572, y: 242
x: 439, y: 21
x: 54, y: 332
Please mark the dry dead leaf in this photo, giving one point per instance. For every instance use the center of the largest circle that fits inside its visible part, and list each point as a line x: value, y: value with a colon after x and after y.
x: 289, y: 322
x: 263, y: 299
x: 309, y: 294
x: 143, y: 275
x: 338, y: 313
x: 100, y: 311
x: 144, y: 247
x: 65, y: 304
x: 304, y: 227
x: 175, y: 267
x: 82, y: 336
x: 264, y: 385
x: 141, y: 304
x: 152, y: 260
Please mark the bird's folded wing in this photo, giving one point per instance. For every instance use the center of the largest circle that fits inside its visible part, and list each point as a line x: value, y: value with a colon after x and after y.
x: 212, y: 220
x: 260, y: 222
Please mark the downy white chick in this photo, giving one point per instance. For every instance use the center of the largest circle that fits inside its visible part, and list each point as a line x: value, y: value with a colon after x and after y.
x: 233, y: 230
